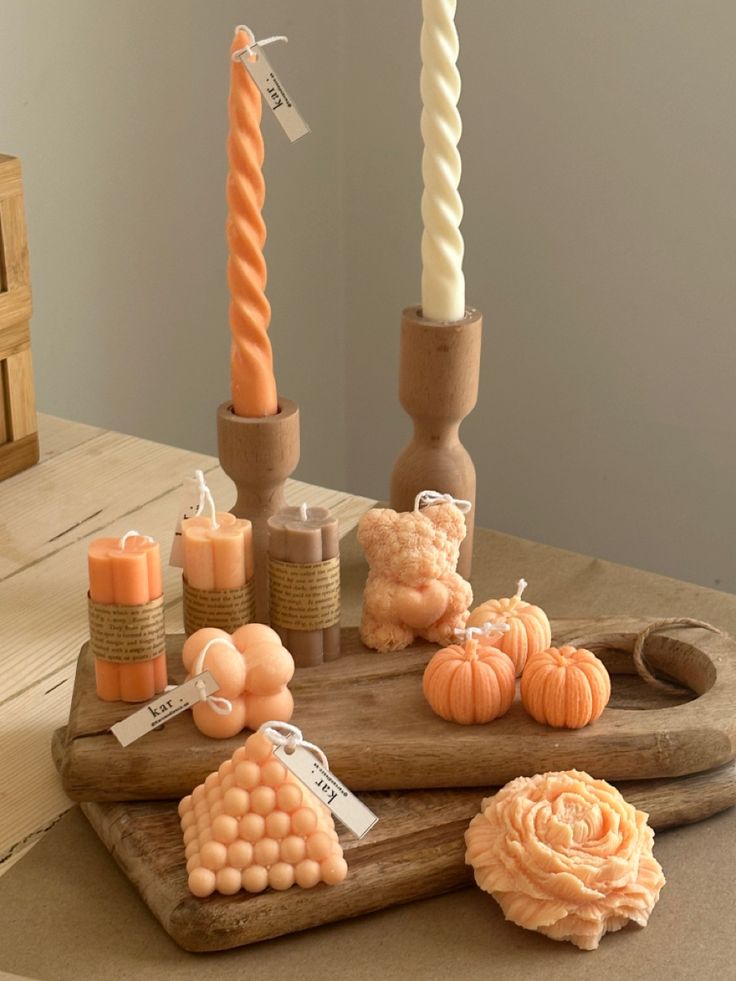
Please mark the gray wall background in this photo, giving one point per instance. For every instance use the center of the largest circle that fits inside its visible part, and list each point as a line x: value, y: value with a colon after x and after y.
x: 599, y: 183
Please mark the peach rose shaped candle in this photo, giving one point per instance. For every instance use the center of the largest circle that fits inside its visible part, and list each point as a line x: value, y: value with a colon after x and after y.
x: 565, y: 855
x: 253, y: 671
x: 252, y: 825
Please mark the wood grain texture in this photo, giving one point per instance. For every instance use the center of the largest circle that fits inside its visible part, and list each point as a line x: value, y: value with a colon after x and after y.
x: 439, y: 368
x: 20, y: 395
x: 259, y: 455
x: 368, y: 713
x: 18, y: 403
x: 415, y: 850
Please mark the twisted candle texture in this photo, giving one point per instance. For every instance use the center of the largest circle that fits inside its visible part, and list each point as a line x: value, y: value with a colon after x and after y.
x: 251, y: 361
x: 443, y: 283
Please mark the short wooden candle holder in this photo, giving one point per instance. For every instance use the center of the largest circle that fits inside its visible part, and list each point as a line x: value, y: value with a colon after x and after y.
x: 258, y: 455
x: 438, y: 387
x: 18, y: 425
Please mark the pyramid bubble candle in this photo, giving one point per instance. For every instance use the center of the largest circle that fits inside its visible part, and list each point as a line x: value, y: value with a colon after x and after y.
x: 252, y: 825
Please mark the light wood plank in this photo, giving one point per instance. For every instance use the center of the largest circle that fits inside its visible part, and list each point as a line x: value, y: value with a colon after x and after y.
x: 10, y: 177
x: 59, y: 435
x: 4, y: 422
x: 15, y: 239
x: 21, y: 398
x: 81, y: 492
x: 14, y: 338
x: 32, y: 793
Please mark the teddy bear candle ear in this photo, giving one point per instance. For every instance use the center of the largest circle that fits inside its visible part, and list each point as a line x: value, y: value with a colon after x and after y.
x: 413, y: 589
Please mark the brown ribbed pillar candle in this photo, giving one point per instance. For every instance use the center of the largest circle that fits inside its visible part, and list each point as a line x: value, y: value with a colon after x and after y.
x: 304, y: 576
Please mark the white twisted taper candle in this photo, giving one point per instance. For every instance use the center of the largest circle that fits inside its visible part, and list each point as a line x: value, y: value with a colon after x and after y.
x: 443, y: 283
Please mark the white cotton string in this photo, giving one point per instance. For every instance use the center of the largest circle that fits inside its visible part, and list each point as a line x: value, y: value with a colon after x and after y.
x: 520, y: 587
x: 255, y: 44
x: 285, y: 734
x: 218, y: 704
x: 205, y: 497
x: 426, y: 497
x: 483, y: 631
x: 133, y: 534
x: 201, y: 490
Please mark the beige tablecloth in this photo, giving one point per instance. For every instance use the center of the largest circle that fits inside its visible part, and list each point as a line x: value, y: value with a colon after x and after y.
x: 66, y: 912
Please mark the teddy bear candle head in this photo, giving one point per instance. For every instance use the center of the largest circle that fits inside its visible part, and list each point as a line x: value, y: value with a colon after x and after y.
x: 413, y: 589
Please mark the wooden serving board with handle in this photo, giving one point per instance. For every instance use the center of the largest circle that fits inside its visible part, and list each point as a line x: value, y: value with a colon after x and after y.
x: 416, y: 850
x: 368, y: 713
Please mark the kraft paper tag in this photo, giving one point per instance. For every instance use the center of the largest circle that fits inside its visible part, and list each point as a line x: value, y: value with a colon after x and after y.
x: 126, y: 634
x: 163, y: 708
x: 260, y: 70
x: 326, y: 787
x: 304, y: 596
x: 227, y: 609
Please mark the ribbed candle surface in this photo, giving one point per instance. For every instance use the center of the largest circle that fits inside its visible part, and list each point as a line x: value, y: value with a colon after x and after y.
x: 252, y: 381
x: 443, y: 283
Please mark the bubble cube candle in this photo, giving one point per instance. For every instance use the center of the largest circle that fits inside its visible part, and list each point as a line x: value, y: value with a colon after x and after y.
x: 252, y: 825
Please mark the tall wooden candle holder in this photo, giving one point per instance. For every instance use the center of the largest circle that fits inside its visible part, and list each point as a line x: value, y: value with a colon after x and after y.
x: 258, y: 455
x: 438, y: 387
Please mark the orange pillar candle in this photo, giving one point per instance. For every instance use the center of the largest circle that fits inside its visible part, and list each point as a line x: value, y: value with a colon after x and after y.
x: 219, y: 590
x: 127, y: 572
x: 218, y: 553
x: 252, y: 381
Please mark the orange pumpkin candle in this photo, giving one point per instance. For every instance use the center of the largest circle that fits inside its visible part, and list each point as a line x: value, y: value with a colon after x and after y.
x: 566, y: 688
x: 127, y: 572
x: 529, y: 630
x: 469, y: 683
x: 252, y: 380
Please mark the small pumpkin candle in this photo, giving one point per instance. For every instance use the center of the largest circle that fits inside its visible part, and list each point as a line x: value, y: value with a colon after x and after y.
x: 567, y: 688
x: 529, y: 630
x: 470, y: 683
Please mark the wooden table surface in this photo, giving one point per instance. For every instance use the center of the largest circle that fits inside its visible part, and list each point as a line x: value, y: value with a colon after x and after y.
x: 87, y: 484
x: 83, y: 913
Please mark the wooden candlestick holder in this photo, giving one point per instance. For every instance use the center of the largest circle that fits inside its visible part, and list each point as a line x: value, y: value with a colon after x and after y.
x: 438, y: 387
x: 258, y: 455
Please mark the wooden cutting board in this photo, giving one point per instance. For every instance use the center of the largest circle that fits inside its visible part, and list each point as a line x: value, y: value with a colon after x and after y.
x: 368, y: 713
x: 415, y: 851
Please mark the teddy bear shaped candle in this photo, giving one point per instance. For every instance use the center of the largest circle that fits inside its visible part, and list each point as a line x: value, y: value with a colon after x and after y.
x: 413, y: 589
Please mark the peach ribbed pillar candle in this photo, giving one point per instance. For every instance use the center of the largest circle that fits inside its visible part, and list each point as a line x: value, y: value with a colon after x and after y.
x: 252, y: 381
x: 127, y: 572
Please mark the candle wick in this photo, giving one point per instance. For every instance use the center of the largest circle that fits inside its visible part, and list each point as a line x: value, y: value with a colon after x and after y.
x: 211, y: 502
x: 126, y: 536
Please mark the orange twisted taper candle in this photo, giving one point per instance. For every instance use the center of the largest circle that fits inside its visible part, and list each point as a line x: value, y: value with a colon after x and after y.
x: 252, y: 380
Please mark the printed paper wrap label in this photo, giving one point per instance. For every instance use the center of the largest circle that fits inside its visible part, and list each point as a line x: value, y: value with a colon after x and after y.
x: 227, y: 609
x: 304, y: 596
x: 126, y: 634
